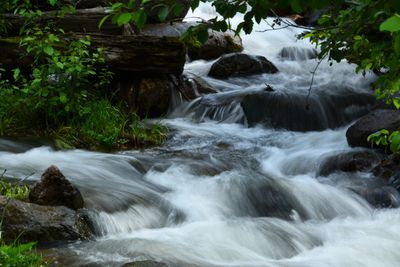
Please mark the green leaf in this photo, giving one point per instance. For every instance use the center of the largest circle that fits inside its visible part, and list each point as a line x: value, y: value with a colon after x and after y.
x: 124, y: 18
x: 177, y: 9
x: 163, y: 13
x: 49, y: 50
x: 103, y: 20
x: 395, y: 142
x: 296, y: 6
x: 140, y: 18
x: 16, y: 73
x: 392, y: 24
x: 52, y: 2
x: 202, y: 35
x: 63, y: 98
x: 396, y: 103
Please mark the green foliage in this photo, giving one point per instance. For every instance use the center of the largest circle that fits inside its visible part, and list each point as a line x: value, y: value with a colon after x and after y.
x: 20, y: 255
x: 136, y: 12
x: 14, y: 190
x: 386, y: 139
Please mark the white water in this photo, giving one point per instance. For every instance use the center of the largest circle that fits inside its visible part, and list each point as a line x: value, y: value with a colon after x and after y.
x: 221, y: 194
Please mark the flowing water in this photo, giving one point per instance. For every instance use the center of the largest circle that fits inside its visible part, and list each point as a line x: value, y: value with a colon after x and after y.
x: 219, y: 193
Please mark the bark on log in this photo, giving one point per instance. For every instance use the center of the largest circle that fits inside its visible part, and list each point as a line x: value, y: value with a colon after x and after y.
x: 83, y: 21
x: 140, y: 54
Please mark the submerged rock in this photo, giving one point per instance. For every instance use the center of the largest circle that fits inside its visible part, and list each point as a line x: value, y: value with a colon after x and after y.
x: 28, y: 222
x: 350, y: 162
x: 146, y: 263
x: 54, y: 189
x: 296, y: 112
x: 389, y: 170
x: 376, y: 120
x: 238, y: 64
x: 218, y: 44
x: 384, y: 197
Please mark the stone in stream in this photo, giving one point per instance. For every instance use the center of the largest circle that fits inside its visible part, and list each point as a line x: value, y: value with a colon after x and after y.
x: 238, y: 64
x: 146, y: 263
x: 376, y: 120
x: 27, y: 222
x: 350, y: 162
x: 218, y: 44
x: 54, y: 189
x: 296, y: 112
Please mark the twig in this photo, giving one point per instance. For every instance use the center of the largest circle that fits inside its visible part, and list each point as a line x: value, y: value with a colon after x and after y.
x: 312, y: 82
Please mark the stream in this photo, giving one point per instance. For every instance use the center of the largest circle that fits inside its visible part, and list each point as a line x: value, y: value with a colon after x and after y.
x: 221, y: 193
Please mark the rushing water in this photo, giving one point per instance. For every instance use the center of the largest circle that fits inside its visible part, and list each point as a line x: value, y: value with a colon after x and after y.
x: 221, y: 194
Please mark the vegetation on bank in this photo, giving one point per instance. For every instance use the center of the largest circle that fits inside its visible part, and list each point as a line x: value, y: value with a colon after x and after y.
x: 64, y: 93
x: 16, y: 254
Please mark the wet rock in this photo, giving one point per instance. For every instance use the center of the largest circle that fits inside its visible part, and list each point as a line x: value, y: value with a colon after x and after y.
x: 389, y: 170
x: 238, y: 64
x: 295, y: 112
x: 54, y: 189
x: 147, y: 95
x: 218, y: 44
x: 376, y: 120
x: 350, y: 162
x: 31, y: 222
x: 384, y: 197
x: 192, y: 87
x: 298, y: 53
x: 146, y: 263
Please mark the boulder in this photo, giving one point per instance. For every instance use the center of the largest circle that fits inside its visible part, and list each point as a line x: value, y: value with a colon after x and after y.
x: 376, y: 120
x: 146, y: 263
x: 389, y: 170
x: 238, y: 64
x: 350, y: 162
x: 54, y: 189
x: 193, y: 86
x: 296, y: 112
x: 29, y: 222
x: 147, y: 95
x: 294, y: 53
x: 218, y: 44
x: 384, y: 197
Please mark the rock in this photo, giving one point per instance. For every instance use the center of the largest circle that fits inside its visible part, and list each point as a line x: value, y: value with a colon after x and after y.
x: 295, y: 112
x: 193, y: 86
x: 29, y: 222
x: 218, y: 44
x: 389, y: 170
x: 238, y: 64
x: 350, y: 162
x: 384, y: 197
x: 54, y: 189
x: 146, y: 263
x: 376, y: 120
x: 147, y: 95
x: 298, y: 53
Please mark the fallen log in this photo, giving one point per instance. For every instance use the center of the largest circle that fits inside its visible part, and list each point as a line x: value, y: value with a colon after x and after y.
x: 81, y: 21
x: 139, y: 53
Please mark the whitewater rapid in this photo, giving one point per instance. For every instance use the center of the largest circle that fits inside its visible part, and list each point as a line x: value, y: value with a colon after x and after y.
x: 219, y: 193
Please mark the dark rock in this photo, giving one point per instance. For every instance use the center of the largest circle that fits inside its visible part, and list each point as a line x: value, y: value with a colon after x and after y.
x: 237, y: 64
x: 350, y: 162
x: 147, y: 95
x: 54, y: 189
x: 146, y: 263
x: 192, y: 87
x: 298, y: 53
x: 384, y: 197
x: 389, y: 170
x: 296, y: 112
x: 31, y: 222
x: 218, y: 44
x: 377, y: 120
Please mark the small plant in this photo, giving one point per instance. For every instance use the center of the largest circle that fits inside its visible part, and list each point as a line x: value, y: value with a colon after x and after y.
x: 386, y: 139
x: 20, y: 255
